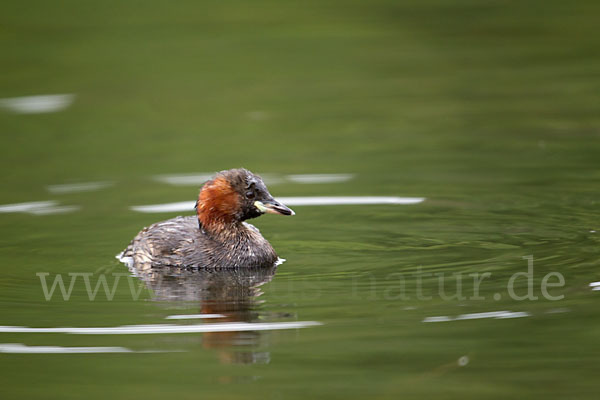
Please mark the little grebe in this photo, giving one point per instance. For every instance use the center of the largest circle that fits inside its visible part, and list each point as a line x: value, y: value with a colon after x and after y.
x: 217, y: 237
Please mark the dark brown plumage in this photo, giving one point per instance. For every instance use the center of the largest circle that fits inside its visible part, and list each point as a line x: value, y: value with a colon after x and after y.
x: 217, y: 237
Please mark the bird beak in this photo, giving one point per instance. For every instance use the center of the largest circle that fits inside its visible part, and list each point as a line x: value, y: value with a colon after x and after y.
x: 272, y: 206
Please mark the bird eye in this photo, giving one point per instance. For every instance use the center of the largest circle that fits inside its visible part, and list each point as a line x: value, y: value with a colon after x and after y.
x: 250, y: 194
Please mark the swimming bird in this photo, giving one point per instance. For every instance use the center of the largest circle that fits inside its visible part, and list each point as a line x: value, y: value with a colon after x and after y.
x: 218, y: 236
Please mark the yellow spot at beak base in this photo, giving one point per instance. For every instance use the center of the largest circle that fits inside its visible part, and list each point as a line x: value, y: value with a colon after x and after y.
x: 261, y: 207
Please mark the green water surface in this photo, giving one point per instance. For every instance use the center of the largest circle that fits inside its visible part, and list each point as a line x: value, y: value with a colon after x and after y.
x: 488, y: 109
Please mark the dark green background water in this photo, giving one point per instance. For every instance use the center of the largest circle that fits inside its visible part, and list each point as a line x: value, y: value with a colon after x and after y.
x: 489, y: 109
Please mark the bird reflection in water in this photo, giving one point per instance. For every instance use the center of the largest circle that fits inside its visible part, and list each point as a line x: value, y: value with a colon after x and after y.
x: 224, y: 295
